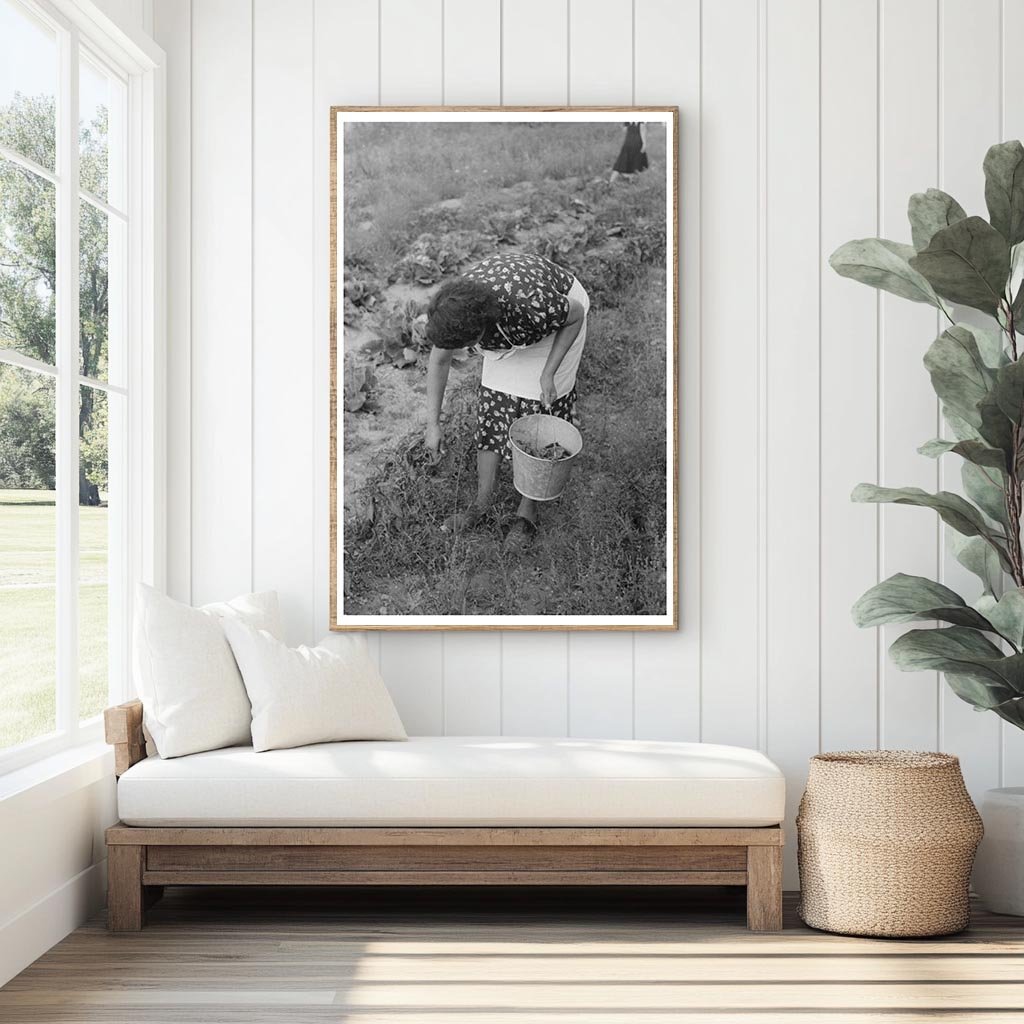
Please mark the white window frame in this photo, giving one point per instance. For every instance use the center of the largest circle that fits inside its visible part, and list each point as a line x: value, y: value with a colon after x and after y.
x: 140, y: 63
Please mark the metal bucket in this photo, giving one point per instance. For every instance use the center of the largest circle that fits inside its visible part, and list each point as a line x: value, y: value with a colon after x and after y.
x: 536, y: 477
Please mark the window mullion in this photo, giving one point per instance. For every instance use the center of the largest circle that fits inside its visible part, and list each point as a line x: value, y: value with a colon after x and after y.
x: 67, y: 386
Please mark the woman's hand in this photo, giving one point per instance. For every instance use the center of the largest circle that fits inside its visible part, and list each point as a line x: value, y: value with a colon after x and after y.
x: 437, y: 380
x: 432, y: 440
x: 564, y: 338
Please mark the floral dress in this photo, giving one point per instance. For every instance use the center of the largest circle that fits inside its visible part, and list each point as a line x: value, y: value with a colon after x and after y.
x: 534, y: 297
x: 533, y: 293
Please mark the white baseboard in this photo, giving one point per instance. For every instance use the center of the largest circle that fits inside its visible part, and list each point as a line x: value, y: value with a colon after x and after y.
x: 26, y: 937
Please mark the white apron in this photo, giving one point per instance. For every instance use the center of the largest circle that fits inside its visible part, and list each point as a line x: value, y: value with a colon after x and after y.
x: 517, y: 371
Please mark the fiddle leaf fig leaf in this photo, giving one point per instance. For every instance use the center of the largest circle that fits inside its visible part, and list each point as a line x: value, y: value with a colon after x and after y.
x: 980, y: 692
x: 990, y: 345
x: 1009, y: 390
x: 996, y: 428
x: 952, y: 509
x: 930, y: 212
x: 973, y: 451
x: 883, y: 264
x: 1015, y: 285
x: 1006, y: 614
x: 984, y: 486
x: 1017, y: 308
x: 963, y: 652
x: 1004, y: 189
x: 962, y: 430
x: 1011, y: 711
x: 958, y: 371
x: 979, y: 557
x: 903, y: 598
x: 967, y: 263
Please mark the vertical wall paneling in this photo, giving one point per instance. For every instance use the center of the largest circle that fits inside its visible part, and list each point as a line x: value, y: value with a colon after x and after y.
x: 730, y: 269
x: 221, y: 368
x: 345, y: 59
x: 173, y: 28
x: 534, y: 56
x: 849, y: 369
x: 410, y: 51
x: 968, y: 125
x: 283, y: 339
x: 472, y: 684
x: 472, y: 74
x: 600, y: 63
x: 792, y: 416
x: 909, y: 413
x: 534, y: 696
x: 601, y: 685
x: 1011, y: 112
x: 472, y: 52
x: 601, y: 52
x: 413, y: 665
x: 666, y: 666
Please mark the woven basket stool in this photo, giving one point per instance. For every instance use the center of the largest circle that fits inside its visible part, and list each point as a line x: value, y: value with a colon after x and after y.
x: 886, y: 840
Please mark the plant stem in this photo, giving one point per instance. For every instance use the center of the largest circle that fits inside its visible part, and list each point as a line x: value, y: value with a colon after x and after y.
x: 1012, y: 496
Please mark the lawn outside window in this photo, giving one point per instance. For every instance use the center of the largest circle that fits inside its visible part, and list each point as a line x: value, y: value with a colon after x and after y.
x: 80, y: 441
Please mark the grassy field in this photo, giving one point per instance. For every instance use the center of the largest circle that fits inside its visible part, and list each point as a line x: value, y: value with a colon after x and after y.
x: 28, y: 524
x: 420, y: 208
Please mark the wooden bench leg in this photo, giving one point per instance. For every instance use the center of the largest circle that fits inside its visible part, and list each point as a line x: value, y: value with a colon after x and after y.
x: 125, y: 896
x: 764, y: 888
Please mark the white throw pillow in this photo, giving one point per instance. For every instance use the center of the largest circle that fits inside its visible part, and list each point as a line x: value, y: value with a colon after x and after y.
x: 192, y: 693
x: 309, y: 694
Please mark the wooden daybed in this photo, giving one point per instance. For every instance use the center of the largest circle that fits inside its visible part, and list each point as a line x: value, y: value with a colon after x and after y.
x: 179, y: 846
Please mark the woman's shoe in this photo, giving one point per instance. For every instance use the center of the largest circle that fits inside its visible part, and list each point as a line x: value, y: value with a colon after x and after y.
x: 519, y: 537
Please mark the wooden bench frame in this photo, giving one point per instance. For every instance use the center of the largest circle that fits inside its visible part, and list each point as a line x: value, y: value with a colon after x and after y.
x: 142, y: 860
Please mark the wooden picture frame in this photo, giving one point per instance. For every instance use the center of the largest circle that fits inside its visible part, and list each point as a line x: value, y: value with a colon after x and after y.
x: 666, y: 615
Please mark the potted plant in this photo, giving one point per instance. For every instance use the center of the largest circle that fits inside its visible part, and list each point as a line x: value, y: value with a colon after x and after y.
x: 977, y: 372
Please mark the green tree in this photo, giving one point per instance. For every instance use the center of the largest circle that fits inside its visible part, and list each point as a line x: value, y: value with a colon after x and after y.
x: 26, y: 429
x: 28, y: 282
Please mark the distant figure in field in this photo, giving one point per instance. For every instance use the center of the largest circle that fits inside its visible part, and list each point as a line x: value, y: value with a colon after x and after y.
x: 527, y: 317
x: 633, y: 155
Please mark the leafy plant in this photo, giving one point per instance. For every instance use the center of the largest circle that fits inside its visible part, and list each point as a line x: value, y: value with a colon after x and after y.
x: 432, y: 257
x: 361, y: 293
x: 360, y: 382
x: 401, y: 335
x: 978, y: 375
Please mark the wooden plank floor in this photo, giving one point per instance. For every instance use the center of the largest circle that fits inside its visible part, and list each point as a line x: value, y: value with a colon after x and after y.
x: 219, y: 956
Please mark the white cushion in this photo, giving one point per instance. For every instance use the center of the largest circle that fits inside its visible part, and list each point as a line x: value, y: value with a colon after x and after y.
x: 458, y: 780
x: 309, y: 694
x: 191, y: 691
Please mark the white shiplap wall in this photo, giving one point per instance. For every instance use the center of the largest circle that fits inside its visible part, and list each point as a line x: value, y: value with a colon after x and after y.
x: 804, y: 123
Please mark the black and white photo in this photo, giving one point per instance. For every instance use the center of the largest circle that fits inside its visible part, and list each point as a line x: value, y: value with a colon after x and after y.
x: 504, y: 363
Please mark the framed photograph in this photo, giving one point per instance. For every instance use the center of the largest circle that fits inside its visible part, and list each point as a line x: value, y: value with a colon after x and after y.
x: 504, y: 318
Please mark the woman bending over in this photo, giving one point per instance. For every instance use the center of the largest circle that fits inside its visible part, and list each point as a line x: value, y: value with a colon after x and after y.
x: 527, y: 317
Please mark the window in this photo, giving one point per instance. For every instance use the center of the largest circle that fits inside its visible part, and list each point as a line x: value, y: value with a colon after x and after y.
x: 76, y: 352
